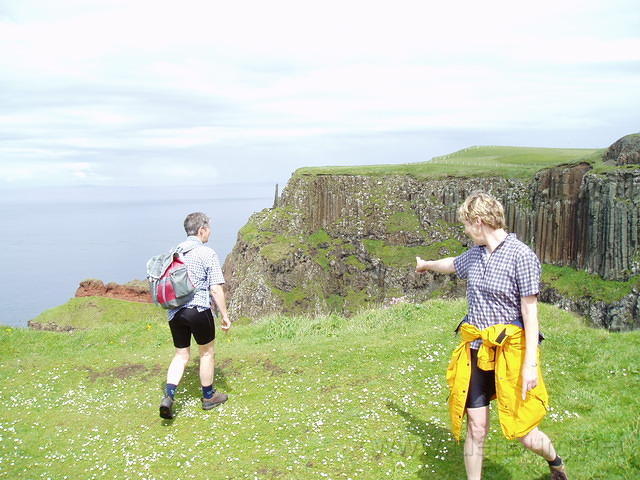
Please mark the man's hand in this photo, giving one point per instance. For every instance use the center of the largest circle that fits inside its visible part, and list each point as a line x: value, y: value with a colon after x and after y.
x: 421, y: 265
x: 529, y: 379
x: 217, y: 292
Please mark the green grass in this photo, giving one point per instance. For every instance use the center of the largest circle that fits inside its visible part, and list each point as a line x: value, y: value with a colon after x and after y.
x: 273, y: 246
x: 319, y: 246
x: 353, y: 261
x: 84, y: 312
x: 578, y: 284
x: 276, y: 247
x: 318, y: 238
x: 280, y: 248
x: 405, y: 221
x: 293, y: 299
x: 508, y: 162
x: 401, y: 256
x: 310, y: 398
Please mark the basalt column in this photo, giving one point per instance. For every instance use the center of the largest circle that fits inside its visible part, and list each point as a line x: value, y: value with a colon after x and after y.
x: 557, y: 213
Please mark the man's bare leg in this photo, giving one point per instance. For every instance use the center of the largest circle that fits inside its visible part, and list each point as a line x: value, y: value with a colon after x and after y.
x: 207, y: 363
x: 177, y: 366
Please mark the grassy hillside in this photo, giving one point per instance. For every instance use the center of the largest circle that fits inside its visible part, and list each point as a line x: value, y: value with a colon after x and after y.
x: 511, y: 162
x: 310, y: 398
x: 578, y: 284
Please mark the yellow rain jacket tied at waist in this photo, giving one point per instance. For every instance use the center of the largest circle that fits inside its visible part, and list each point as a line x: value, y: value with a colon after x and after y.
x: 503, y: 350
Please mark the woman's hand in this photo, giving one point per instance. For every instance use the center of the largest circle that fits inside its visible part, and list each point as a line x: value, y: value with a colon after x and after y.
x: 444, y: 265
x: 421, y: 265
x: 529, y: 309
x: 529, y: 379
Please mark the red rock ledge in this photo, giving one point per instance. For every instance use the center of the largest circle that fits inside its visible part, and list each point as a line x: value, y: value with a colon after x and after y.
x: 135, y: 291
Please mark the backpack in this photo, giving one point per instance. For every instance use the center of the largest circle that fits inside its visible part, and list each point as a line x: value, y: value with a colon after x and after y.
x: 168, y: 278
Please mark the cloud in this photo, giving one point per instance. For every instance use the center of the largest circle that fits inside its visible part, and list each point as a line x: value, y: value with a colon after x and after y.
x: 172, y: 172
x: 110, y: 82
x: 58, y: 172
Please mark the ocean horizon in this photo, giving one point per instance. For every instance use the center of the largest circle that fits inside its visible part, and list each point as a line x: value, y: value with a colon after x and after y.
x: 56, y: 237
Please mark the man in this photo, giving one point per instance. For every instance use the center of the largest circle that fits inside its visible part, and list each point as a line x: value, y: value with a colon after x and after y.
x: 498, y: 356
x: 196, y: 317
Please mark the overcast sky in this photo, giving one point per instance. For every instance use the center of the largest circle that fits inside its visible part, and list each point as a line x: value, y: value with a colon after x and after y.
x: 200, y: 92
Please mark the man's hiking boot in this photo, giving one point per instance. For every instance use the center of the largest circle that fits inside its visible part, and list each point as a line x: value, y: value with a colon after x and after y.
x: 558, y: 473
x: 217, y: 399
x: 166, y: 408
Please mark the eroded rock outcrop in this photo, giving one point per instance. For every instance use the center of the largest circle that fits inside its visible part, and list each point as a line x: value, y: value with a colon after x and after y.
x: 625, y: 151
x: 621, y: 315
x: 49, y: 327
x: 135, y: 291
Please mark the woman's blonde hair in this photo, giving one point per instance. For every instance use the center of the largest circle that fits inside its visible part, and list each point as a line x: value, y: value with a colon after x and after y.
x: 484, y: 207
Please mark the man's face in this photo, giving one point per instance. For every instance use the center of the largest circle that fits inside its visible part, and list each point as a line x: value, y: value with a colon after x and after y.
x: 205, y: 233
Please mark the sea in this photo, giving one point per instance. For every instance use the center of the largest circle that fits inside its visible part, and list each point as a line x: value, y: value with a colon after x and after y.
x: 53, y: 238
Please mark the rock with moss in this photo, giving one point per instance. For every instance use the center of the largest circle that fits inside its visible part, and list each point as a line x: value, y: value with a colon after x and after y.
x: 625, y: 151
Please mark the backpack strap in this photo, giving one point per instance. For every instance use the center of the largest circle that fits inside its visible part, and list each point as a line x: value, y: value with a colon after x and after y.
x: 181, y: 249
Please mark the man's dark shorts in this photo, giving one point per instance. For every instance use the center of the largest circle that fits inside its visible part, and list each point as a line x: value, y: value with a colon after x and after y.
x: 482, y: 386
x: 189, y: 321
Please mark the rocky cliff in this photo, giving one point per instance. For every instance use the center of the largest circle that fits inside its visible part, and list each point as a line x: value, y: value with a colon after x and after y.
x: 588, y: 220
x: 625, y: 151
x: 134, y: 291
x: 339, y: 241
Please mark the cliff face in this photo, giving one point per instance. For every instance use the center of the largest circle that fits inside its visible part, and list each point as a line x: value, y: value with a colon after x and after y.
x: 337, y: 242
x: 587, y: 220
x: 609, y: 218
x: 555, y: 209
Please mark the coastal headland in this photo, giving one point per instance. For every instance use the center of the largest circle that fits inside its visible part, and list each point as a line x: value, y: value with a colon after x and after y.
x: 342, y: 238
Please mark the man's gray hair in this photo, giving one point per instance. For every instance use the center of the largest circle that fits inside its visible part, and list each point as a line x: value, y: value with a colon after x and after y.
x: 194, y: 222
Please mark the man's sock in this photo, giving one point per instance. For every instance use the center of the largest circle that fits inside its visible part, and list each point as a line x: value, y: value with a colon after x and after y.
x: 207, y: 392
x: 555, y: 463
x: 170, y: 390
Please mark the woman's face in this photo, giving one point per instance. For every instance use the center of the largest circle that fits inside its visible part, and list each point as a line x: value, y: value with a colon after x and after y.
x: 474, y: 231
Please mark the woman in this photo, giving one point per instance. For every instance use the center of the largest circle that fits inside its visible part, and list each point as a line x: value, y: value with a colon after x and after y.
x: 498, y: 356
